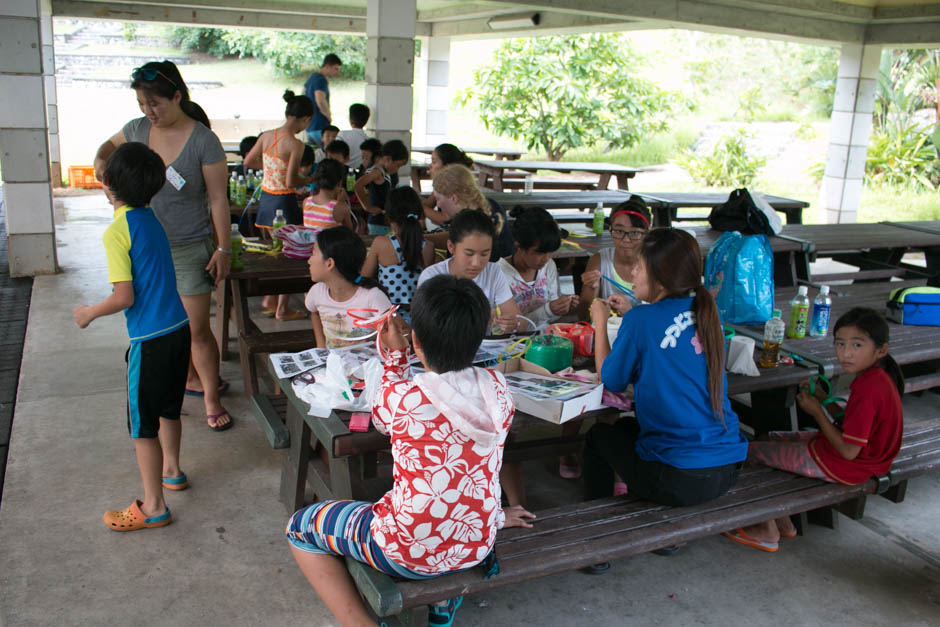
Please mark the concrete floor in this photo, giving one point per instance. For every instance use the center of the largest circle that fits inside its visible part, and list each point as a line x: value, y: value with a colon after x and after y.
x: 224, y: 561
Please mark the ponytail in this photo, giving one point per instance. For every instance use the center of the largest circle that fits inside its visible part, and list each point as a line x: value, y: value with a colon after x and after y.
x: 403, y: 207
x: 890, y: 366
x: 710, y: 336
x: 196, y: 112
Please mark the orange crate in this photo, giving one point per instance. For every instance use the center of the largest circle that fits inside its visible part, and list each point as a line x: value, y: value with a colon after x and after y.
x: 82, y: 176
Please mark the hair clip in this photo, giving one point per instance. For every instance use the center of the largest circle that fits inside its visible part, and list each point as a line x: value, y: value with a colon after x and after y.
x: 358, y: 279
x: 412, y: 216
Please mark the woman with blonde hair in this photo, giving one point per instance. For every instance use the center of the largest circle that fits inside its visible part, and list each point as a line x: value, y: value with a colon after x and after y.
x: 455, y: 189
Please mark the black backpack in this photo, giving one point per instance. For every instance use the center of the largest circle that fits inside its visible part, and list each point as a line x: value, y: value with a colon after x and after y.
x: 740, y: 213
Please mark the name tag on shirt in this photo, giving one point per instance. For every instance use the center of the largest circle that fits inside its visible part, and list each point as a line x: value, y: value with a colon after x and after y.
x: 175, y: 179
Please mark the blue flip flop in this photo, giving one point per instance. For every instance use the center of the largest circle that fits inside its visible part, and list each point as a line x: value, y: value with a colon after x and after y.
x: 223, y: 388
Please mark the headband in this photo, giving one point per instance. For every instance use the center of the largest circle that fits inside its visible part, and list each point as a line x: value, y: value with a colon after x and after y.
x: 632, y: 213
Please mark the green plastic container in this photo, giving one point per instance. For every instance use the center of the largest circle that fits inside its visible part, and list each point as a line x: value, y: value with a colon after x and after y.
x: 551, y: 352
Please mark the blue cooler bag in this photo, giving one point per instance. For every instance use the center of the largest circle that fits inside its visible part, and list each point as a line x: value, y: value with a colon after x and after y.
x: 739, y: 273
x: 919, y: 306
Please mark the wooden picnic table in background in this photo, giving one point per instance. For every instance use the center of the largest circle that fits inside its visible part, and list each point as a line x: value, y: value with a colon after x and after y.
x: 876, y: 249
x: 490, y: 174
x: 662, y: 204
x: 496, y: 153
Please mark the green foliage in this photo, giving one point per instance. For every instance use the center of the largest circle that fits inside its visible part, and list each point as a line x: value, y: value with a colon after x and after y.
x: 729, y: 164
x: 903, y: 156
x: 129, y: 30
x: 749, y: 104
x: 818, y: 87
x: 289, y: 53
x: 296, y: 53
x: 192, y: 39
x: 559, y: 93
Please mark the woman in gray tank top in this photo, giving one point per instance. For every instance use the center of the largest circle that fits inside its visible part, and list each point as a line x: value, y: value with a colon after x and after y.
x: 192, y: 207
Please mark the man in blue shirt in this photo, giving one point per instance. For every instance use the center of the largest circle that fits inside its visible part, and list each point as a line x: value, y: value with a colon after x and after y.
x: 317, y: 88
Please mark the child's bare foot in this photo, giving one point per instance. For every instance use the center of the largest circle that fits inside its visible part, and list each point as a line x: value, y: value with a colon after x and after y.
x: 786, y: 527
x: 290, y: 314
x: 765, y: 532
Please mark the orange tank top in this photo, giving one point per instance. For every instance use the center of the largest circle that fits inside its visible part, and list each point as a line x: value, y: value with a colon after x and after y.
x: 319, y: 217
x: 274, y: 179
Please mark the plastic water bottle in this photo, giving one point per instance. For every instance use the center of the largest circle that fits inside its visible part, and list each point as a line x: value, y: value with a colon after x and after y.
x: 236, y: 248
x: 799, y: 312
x: 278, y: 222
x: 822, y: 307
x: 598, y: 225
x: 232, y: 184
x: 773, y: 338
x: 250, y: 182
x: 350, y: 182
x: 241, y: 191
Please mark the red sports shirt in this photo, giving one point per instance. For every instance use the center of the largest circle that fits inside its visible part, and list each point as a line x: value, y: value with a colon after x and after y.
x: 874, y: 420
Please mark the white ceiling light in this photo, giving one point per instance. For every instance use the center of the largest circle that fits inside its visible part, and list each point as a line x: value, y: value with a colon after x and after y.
x: 510, y: 22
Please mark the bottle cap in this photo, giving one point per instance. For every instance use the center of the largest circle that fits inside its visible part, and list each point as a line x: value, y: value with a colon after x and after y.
x: 824, y: 289
x: 802, y: 290
x: 777, y: 313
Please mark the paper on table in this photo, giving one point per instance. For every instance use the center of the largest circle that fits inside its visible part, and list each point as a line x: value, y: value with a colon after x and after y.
x: 291, y: 364
x: 741, y: 356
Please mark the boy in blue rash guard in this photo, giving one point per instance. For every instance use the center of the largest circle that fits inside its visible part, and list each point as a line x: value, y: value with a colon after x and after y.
x: 141, y: 272
x: 684, y: 447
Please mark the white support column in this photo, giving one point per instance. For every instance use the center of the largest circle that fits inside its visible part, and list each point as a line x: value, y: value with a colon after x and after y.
x: 434, y: 101
x: 390, y: 51
x: 849, y: 131
x: 48, y: 79
x: 24, y: 152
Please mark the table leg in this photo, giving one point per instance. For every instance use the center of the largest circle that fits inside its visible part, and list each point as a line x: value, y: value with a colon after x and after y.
x: 662, y: 215
x: 603, y: 181
x: 294, y: 466
x: 794, y: 215
x: 415, y: 180
x: 223, y: 309
x: 787, y: 268
x: 623, y: 181
x: 247, y: 360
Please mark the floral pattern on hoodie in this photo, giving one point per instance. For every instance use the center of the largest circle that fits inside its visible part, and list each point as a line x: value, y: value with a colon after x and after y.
x: 447, y: 432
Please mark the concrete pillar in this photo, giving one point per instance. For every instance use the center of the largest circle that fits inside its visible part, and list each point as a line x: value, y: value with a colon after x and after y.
x: 48, y: 78
x: 434, y: 99
x: 24, y: 149
x: 849, y: 131
x: 390, y: 51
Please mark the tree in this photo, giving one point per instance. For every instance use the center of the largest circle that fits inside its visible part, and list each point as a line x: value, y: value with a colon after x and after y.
x: 559, y: 93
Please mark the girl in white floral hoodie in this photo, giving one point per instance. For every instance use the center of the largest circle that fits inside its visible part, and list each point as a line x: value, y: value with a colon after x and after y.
x: 447, y: 427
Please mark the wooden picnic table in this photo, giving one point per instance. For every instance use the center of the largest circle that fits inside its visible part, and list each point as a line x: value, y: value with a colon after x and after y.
x: 662, y: 204
x: 908, y: 344
x: 496, y: 153
x: 341, y: 464
x: 491, y: 173
x: 876, y: 249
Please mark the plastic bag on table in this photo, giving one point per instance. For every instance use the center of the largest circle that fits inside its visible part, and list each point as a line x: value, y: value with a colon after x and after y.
x: 332, y: 389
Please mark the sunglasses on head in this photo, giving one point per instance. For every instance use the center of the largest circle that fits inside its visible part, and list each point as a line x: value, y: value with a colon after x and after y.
x: 151, y: 74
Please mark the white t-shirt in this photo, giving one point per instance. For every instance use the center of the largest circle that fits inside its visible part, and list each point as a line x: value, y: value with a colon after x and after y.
x: 354, y: 137
x: 492, y: 280
x: 533, y: 297
x: 338, y: 327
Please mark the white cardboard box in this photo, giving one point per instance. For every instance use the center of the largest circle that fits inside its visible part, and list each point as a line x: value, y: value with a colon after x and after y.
x: 555, y: 411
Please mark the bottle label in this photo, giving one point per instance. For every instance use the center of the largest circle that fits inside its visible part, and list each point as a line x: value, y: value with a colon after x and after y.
x: 798, y: 316
x: 820, y: 324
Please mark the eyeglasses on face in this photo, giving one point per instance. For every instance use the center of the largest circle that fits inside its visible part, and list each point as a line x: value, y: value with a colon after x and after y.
x: 151, y: 74
x: 633, y: 236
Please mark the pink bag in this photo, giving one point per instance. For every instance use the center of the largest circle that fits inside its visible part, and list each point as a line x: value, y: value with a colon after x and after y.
x: 581, y: 335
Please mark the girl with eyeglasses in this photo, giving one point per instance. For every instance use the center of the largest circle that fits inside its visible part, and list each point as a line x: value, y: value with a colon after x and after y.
x: 628, y: 222
x: 177, y: 129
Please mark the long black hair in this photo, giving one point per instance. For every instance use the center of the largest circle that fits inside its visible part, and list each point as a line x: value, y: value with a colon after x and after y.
x: 329, y: 174
x: 164, y: 81
x: 403, y: 207
x: 297, y: 106
x: 348, y: 253
x: 870, y: 322
x: 470, y: 221
x: 448, y: 154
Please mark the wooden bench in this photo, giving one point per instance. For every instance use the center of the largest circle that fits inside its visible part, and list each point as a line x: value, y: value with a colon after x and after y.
x: 581, y: 534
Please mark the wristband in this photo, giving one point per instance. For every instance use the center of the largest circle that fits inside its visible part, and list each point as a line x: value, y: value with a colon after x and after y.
x: 224, y: 251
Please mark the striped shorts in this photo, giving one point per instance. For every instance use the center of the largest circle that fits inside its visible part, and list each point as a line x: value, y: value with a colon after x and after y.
x: 342, y: 528
x: 787, y: 450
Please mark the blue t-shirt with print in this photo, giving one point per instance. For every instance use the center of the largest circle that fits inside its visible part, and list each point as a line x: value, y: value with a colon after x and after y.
x: 657, y: 350
x: 317, y: 82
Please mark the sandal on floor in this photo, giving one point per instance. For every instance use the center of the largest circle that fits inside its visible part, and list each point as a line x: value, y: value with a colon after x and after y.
x: 132, y: 519
x: 223, y: 388
x: 569, y: 471
x: 227, y: 425
x: 443, y: 615
x: 741, y: 537
x: 620, y: 488
x: 597, y: 569
x: 268, y: 313
x: 176, y: 483
x: 791, y: 535
x: 297, y: 315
